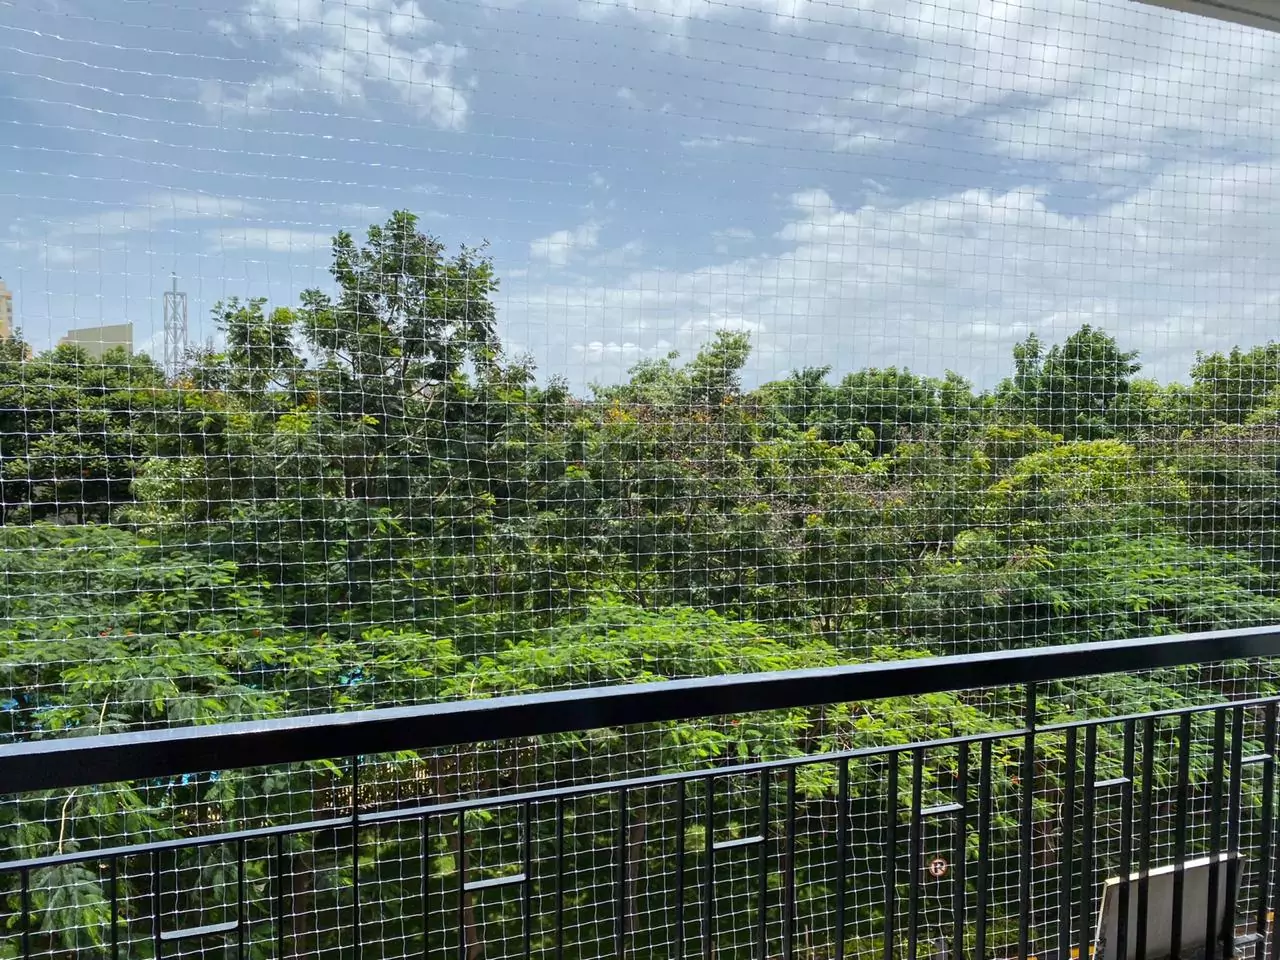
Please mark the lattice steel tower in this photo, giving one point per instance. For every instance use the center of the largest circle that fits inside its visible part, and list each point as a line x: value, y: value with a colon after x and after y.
x: 175, y: 329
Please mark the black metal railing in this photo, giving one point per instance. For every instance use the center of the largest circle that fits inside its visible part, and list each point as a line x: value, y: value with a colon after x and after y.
x: 988, y: 843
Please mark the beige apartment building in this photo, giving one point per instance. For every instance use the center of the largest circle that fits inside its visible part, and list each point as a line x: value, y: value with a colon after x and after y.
x: 96, y: 341
x: 6, y: 311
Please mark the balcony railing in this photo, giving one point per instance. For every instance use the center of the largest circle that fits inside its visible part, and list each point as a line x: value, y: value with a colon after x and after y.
x: 424, y: 831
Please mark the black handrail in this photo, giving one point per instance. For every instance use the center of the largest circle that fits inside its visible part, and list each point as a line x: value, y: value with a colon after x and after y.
x: 64, y: 762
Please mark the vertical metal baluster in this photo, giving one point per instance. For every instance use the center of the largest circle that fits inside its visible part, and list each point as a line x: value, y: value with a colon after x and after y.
x: 1066, y: 867
x: 680, y: 842
x: 762, y: 869
x: 356, y: 943
x: 1265, y: 842
x: 560, y: 877
x: 1234, y: 789
x: 620, y: 880
x: 842, y: 852
x: 959, y: 850
x: 1268, y: 914
x: 460, y: 869
x: 280, y: 885
x: 708, y: 878
x: 890, y: 854
x: 1144, y: 832
x: 984, y: 850
x: 24, y: 880
x: 527, y: 857
x: 242, y: 901
x: 915, y: 853
x: 114, y: 894
x: 1084, y: 912
x: 1180, y: 832
x: 1144, y: 855
x: 156, y: 919
x: 424, y: 856
x: 1211, y: 932
x: 1126, y: 842
x: 789, y: 881
x: 1026, y: 835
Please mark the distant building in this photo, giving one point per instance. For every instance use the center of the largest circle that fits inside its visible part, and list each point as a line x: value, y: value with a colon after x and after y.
x: 6, y: 311
x: 96, y: 341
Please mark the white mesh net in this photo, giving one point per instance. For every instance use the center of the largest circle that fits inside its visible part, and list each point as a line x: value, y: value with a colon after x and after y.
x: 365, y: 354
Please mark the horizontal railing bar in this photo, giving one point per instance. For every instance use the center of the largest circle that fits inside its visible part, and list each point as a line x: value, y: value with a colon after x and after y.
x: 1255, y: 758
x: 667, y: 779
x: 193, y: 933
x: 185, y: 843
x: 1062, y: 726
x: 577, y: 791
x: 782, y: 763
x: 454, y: 807
x: 82, y: 761
x: 1113, y: 782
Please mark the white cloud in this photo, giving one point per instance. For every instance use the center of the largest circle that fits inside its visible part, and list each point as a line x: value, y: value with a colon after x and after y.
x: 1111, y: 92
x: 627, y: 253
x: 160, y: 209
x: 730, y: 237
x: 344, y: 51
x: 953, y: 281
x: 717, y: 142
x: 560, y: 247
x: 678, y: 11
x: 120, y: 228
x: 277, y: 240
x: 634, y: 101
x: 596, y: 352
x: 845, y: 134
x: 113, y: 237
x: 361, y: 214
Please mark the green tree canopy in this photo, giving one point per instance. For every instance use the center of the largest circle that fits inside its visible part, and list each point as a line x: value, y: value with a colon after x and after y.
x: 1072, y: 387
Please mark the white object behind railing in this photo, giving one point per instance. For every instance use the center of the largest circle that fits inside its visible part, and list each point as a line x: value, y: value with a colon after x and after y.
x: 1160, y: 893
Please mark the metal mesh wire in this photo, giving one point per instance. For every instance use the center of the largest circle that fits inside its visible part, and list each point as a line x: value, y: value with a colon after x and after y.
x: 359, y: 354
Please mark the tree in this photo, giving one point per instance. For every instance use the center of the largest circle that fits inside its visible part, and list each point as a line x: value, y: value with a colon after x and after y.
x: 711, y: 377
x: 406, y: 314
x: 1072, y: 388
x: 344, y: 437
x: 1228, y: 387
x: 886, y: 402
x: 261, y: 363
x: 1082, y: 489
x: 804, y: 398
x: 73, y: 429
x: 715, y: 374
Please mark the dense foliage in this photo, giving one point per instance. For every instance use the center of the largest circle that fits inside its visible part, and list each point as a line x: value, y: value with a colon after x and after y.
x: 361, y: 500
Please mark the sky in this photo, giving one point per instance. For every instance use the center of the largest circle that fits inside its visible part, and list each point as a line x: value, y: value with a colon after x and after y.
x: 854, y: 183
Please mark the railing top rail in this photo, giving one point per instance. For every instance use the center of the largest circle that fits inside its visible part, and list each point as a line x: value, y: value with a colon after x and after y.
x: 80, y: 761
x: 568, y: 793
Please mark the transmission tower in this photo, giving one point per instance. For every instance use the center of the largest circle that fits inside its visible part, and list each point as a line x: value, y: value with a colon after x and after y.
x: 175, y: 329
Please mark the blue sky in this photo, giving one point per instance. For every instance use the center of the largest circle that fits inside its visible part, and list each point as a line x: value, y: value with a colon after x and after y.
x: 854, y: 183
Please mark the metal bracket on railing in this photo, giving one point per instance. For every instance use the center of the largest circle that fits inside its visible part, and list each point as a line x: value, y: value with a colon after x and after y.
x: 195, y: 933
